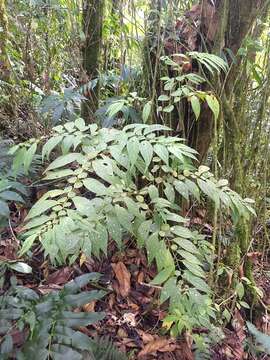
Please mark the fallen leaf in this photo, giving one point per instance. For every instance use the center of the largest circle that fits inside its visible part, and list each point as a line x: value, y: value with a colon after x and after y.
x: 90, y: 307
x: 129, y: 319
x: 60, y: 276
x: 154, y: 346
x: 123, y: 277
x: 184, y: 353
x: 121, y: 333
x: 146, y: 338
x: 44, y: 290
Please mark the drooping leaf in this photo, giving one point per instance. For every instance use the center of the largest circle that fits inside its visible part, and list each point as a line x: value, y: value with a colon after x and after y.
x: 162, y: 276
x: 196, y: 106
x: 65, y: 160
x: 41, y: 207
x: 146, y: 111
x: 146, y: 150
x: 213, y: 104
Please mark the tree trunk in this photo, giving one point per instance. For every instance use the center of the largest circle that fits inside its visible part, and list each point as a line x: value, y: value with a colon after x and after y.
x: 208, y: 28
x: 92, y: 27
x: 4, y: 63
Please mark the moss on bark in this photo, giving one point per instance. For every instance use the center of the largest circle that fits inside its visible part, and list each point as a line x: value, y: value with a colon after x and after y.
x: 4, y: 63
x: 92, y: 27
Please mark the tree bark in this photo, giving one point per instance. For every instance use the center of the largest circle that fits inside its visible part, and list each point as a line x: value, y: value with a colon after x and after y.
x: 208, y: 28
x: 4, y: 63
x: 92, y: 27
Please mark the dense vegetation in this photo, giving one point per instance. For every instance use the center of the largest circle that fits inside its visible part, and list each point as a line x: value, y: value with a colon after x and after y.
x: 134, y: 179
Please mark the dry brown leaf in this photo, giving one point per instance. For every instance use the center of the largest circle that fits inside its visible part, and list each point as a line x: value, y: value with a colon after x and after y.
x: 129, y: 319
x: 90, y: 307
x: 169, y: 348
x: 60, y: 276
x: 140, y: 277
x: 185, y: 350
x: 154, y: 346
x: 121, y: 333
x: 123, y: 277
x: 146, y: 338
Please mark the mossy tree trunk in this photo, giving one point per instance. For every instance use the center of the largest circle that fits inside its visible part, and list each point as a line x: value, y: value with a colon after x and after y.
x: 225, y: 25
x: 92, y: 27
x: 4, y: 63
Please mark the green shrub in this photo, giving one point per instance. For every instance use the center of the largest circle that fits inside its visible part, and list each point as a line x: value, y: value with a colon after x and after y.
x: 50, y: 325
x: 107, y: 183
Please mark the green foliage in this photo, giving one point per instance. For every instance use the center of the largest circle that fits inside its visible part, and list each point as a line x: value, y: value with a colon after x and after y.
x: 260, y: 337
x: 61, y: 106
x: 185, y: 86
x: 109, y: 182
x: 120, y: 110
x: 100, y: 195
x: 51, y: 323
x: 11, y: 190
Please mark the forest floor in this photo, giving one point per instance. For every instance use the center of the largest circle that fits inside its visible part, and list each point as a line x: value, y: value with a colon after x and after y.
x: 133, y: 315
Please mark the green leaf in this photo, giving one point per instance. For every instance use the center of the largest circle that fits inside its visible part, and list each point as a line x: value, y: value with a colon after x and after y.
x: 18, y: 160
x: 41, y: 207
x: 123, y: 217
x: 100, y: 239
x: 209, y: 189
x: 260, y: 337
x: 189, y: 257
x: 133, y: 149
x: 114, y: 229
x: 132, y: 206
x: 50, y: 145
x: 162, y: 152
x: 83, y: 297
x: 104, y: 170
x: 193, y: 189
x: 27, y: 244
x: 152, y: 128
x: 11, y: 196
x: 114, y: 108
x: 6, y: 345
x: 186, y: 245
x: 146, y: 111
x: 53, y: 175
x: 21, y: 267
x: 169, y: 290
x: 176, y: 151
x: 168, y: 109
x: 37, y: 222
x: 95, y: 187
x: 62, y: 352
x: 143, y: 232
x: 196, y: 106
x: 152, y: 247
x: 163, y: 98
x: 73, y: 319
x: 213, y: 103
x: 240, y: 290
x: 80, y: 124
x: 84, y: 206
x: 146, y: 150
x: 182, y: 231
x: 163, y: 276
x: 29, y: 157
x: 194, y: 269
x: 80, y: 281
x: 169, y: 192
x: 65, y: 160
x: 198, y: 283
x: 181, y: 188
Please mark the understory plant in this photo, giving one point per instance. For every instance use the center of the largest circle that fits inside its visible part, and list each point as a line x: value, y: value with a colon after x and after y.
x: 49, y: 326
x: 106, y: 184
